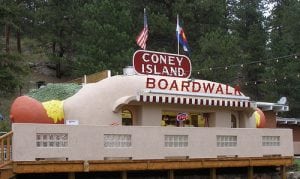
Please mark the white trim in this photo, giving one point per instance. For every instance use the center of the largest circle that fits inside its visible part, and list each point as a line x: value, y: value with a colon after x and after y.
x: 163, y: 100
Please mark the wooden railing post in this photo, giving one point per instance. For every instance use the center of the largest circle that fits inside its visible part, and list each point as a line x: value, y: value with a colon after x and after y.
x: 8, y: 148
x: 5, y: 148
x: 2, y: 150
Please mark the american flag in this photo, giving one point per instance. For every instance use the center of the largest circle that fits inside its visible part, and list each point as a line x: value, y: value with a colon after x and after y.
x: 143, y: 36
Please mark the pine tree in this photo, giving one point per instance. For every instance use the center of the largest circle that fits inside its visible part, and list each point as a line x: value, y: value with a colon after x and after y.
x: 284, y: 28
x: 249, y: 26
x: 12, y: 66
x: 107, y: 40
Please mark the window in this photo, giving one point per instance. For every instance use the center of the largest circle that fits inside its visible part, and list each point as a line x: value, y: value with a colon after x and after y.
x: 51, y: 139
x: 226, y: 141
x: 117, y: 140
x: 233, y: 121
x: 200, y: 120
x: 169, y: 118
x: 271, y: 140
x: 176, y: 140
x: 126, y: 117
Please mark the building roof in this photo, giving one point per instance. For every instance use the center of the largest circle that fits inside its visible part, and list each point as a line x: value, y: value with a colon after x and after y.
x: 277, y: 107
x: 290, y: 121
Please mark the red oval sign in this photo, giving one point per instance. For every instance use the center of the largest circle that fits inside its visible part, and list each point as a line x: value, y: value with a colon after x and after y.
x: 182, y: 116
x: 163, y: 64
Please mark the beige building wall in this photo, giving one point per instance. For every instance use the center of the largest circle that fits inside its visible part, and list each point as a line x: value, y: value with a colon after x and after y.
x: 212, y: 119
x: 223, y: 119
x: 151, y: 115
x: 246, y: 120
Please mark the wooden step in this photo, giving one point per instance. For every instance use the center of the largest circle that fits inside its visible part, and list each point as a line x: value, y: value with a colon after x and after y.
x: 6, y: 172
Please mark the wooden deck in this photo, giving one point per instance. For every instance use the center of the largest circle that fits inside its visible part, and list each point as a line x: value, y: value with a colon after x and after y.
x: 123, y: 166
x: 133, y: 165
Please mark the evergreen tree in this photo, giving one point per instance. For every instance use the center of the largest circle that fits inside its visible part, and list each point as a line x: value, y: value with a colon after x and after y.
x: 59, y: 23
x: 12, y: 66
x: 12, y: 71
x: 284, y: 28
x: 249, y: 26
x: 107, y: 39
x: 208, y: 25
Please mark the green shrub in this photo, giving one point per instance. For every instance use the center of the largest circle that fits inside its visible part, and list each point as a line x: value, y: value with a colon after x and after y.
x: 58, y: 91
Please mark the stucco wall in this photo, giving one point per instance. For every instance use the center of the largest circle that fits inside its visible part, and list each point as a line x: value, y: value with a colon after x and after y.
x: 85, y: 142
x: 151, y: 115
x: 250, y: 121
x: 223, y: 119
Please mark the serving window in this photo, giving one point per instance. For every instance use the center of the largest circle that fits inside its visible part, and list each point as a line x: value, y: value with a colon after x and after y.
x: 187, y: 119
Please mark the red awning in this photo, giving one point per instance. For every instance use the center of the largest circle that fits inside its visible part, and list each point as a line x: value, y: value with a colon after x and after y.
x: 193, y: 100
x: 170, y: 97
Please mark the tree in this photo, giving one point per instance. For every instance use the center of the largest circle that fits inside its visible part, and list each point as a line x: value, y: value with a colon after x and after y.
x: 107, y: 38
x: 208, y: 25
x: 12, y: 66
x: 248, y: 25
x: 284, y: 28
x: 12, y: 71
x: 218, y: 50
x: 59, y: 23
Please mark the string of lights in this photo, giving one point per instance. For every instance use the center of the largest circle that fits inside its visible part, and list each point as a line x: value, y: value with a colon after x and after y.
x: 242, y: 65
x: 274, y: 80
x: 269, y: 81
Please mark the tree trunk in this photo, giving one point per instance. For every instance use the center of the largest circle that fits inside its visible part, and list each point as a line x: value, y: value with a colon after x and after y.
x: 58, y: 72
x: 60, y: 55
x: 18, y: 35
x: 57, y: 65
x: 7, y: 38
x: 53, y: 48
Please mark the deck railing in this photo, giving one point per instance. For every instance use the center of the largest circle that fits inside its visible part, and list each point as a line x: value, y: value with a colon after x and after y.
x: 5, y: 148
x: 83, y: 142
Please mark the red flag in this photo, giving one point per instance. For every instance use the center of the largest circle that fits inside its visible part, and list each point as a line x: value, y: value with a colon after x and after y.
x: 143, y: 36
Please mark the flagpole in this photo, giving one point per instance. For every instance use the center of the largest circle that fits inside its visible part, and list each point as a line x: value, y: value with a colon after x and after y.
x: 144, y: 22
x: 177, y: 26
